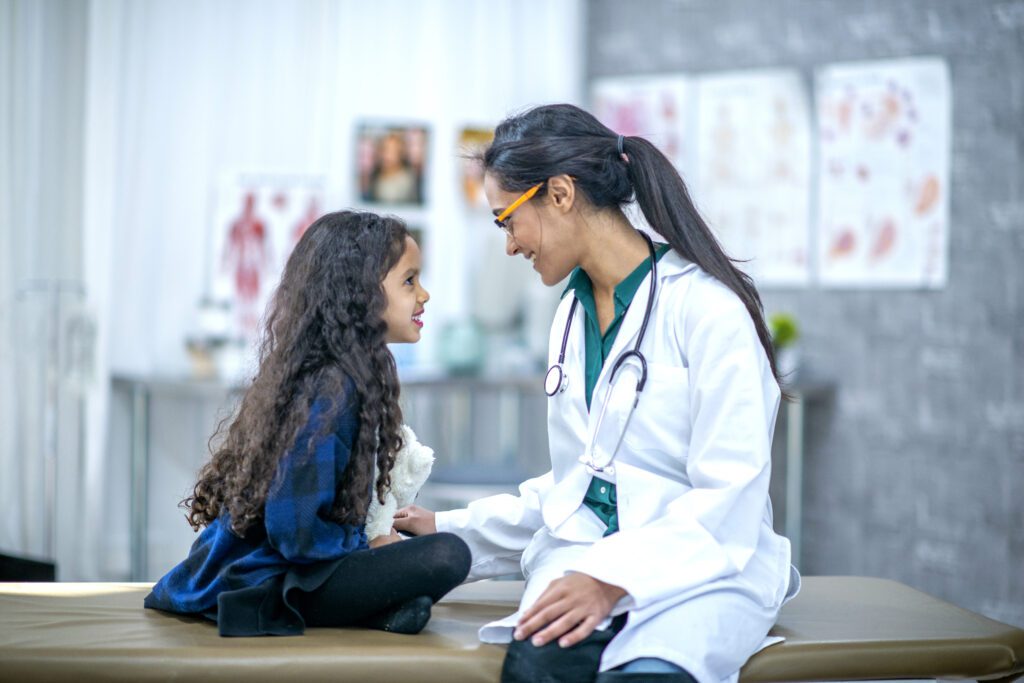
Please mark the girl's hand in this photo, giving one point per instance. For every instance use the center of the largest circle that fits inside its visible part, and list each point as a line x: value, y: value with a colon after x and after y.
x: 569, y: 609
x: 379, y: 541
x: 415, y: 520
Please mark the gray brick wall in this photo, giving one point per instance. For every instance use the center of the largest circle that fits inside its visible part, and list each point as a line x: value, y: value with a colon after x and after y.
x: 914, y: 470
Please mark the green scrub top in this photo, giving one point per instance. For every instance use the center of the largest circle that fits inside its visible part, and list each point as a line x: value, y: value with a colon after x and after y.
x: 601, y: 495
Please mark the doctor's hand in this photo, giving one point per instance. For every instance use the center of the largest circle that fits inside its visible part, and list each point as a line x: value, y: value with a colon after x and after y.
x: 412, y: 519
x: 569, y: 609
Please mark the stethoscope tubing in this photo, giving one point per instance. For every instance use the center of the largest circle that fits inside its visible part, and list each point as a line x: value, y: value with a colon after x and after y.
x: 553, y: 387
x: 556, y: 380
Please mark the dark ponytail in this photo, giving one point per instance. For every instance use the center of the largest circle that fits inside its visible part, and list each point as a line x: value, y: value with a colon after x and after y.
x: 558, y: 139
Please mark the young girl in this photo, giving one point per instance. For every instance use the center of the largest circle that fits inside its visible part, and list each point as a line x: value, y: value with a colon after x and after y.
x: 648, y: 548
x: 285, y: 496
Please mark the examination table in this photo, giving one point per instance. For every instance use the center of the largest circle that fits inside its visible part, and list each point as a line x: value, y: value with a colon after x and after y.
x: 838, y: 628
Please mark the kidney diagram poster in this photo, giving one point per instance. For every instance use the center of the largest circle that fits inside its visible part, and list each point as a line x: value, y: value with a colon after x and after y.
x: 883, y: 181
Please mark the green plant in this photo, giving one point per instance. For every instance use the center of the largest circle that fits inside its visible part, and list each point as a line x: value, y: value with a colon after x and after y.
x: 784, y: 329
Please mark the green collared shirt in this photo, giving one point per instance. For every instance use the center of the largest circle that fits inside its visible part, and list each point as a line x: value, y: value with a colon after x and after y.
x: 601, y: 496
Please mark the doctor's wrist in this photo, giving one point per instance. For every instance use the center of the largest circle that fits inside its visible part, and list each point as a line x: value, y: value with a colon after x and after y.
x: 612, y: 592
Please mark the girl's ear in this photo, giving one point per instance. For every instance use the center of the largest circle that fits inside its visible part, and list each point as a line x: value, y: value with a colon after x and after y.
x: 562, y: 192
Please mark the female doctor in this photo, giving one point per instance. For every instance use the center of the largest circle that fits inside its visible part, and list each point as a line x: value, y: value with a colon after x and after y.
x: 648, y: 548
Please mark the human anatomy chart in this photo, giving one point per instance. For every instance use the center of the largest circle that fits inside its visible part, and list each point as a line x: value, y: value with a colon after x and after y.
x: 742, y: 143
x: 883, y: 183
x: 658, y: 108
x: 257, y: 222
x: 754, y: 168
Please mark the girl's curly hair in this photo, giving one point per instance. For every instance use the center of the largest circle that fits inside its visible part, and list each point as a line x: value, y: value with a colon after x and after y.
x: 324, y: 328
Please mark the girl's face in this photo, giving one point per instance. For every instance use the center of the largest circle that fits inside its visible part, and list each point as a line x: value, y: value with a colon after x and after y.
x: 406, y: 297
x: 538, y: 230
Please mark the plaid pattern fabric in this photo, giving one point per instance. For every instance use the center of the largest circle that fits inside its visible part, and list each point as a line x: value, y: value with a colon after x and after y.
x: 296, y: 527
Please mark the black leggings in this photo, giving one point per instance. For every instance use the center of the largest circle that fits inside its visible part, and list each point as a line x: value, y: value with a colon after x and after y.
x: 369, y: 582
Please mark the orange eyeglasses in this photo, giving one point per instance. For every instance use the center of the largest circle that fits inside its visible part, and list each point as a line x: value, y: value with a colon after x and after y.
x: 523, y: 198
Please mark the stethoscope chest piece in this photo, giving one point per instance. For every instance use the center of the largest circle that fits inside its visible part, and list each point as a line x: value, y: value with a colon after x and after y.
x: 594, y: 468
x: 556, y: 380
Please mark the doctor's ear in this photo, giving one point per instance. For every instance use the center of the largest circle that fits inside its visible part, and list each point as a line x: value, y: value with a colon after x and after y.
x: 562, y: 192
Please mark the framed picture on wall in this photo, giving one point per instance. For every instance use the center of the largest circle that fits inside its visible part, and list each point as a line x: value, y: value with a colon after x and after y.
x: 391, y: 161
x: 472, y: 142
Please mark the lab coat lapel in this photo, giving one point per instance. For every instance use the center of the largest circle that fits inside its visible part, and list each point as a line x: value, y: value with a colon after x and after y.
x: 628, y: 332
x: 568, y: 432
x: 576, y: 404
x: 573, y: 433
x: 671, y: 264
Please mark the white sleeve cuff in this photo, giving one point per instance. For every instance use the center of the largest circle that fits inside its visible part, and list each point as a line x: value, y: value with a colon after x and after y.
x: 445, y: 521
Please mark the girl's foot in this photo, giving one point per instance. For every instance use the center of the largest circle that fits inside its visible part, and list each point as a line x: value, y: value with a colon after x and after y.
x: 410, y: 617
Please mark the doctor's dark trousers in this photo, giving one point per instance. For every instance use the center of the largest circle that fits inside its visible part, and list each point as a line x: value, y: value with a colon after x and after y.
x: 526, y: 663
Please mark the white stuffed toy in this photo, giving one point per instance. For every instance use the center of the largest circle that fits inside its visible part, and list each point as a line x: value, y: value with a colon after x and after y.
x: 412, y: 467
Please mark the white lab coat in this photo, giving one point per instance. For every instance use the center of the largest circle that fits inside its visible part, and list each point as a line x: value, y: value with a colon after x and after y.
x: 704, y: 571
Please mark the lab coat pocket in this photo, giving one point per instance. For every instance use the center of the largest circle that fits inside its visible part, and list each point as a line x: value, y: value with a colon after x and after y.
x: 661, y: 421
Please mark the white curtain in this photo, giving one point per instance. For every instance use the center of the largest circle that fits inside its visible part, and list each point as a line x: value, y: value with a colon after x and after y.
x: 123, y: 115
x: 204, y: 88
x: 45, y: 330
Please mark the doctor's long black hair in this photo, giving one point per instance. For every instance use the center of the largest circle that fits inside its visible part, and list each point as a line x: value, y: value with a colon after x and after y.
x: 558, y: 139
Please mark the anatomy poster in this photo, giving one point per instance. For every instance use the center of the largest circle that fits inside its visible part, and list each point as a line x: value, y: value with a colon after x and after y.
x: 883, y: 179
x: 658, y: 108
x: 257, y: 221
x: 754, y: 166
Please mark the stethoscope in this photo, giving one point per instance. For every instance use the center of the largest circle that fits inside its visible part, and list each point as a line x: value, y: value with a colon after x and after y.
x: 557, y: 380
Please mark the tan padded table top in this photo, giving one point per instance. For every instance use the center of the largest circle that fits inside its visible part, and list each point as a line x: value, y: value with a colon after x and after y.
x: 838, y: 628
